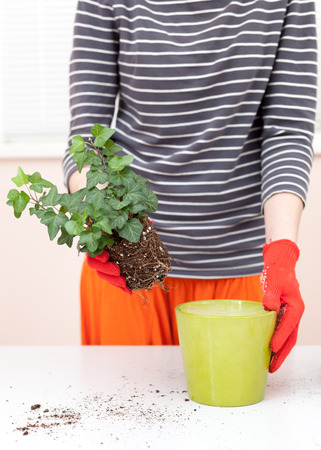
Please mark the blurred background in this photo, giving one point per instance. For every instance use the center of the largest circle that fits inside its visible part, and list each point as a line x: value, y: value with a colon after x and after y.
x: 39, y: 296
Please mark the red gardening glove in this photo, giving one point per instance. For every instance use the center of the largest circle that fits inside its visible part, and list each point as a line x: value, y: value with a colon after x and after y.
x: 281, y: 293
x: 108, y: 271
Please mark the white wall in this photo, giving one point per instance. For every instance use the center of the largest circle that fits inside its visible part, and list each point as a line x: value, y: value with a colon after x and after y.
x: 39, y: 279
x: 309, y: 264
x: 39, y: 300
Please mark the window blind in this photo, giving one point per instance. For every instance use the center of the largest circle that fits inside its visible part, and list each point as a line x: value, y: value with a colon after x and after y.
x: 36, y: 40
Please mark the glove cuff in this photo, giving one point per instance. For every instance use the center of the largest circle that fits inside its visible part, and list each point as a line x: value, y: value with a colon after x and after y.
x: 283, y: 252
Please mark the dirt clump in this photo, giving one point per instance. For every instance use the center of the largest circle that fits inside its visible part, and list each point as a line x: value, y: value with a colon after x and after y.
x: 144, y: 263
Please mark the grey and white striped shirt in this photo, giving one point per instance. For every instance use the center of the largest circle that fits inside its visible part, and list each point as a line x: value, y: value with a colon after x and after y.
x: 217, y: 104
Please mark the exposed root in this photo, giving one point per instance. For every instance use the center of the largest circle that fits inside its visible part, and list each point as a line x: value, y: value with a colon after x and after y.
x: 144, y: 263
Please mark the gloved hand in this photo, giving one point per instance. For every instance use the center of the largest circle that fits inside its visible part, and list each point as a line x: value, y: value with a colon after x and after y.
x: 108, y: 271
x: 281, y: 293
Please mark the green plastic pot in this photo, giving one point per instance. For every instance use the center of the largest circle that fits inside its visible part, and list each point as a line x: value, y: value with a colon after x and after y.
x: 225, y: 347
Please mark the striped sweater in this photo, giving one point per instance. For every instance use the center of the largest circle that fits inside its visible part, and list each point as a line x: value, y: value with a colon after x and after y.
x: 217, y: 104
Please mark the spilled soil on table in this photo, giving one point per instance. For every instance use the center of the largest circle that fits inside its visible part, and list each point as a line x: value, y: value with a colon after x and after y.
x: 105, y: 408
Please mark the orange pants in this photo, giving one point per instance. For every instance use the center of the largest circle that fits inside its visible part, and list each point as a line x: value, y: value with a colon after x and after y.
x: 111, y: 317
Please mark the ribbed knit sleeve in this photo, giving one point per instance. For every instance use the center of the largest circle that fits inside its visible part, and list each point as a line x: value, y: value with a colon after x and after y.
x: 93, y: 71
x: 289, y: 105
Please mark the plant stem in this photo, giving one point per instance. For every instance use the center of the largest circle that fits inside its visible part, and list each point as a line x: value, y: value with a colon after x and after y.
x: 99, y: 154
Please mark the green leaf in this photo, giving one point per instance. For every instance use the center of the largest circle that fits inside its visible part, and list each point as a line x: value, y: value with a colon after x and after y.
x: 96, y: 197
x: 94, y: 211
x: 127, y: 160
x: 96, y: 177
x: 36, y: 188
x: 104, y: 225
x: 38, y: 212
x: 118, y: 204
x: 73, y: 228
x: 103, y: 241
x: 135, y: 194
x: 141, y: 180
x: 131, y: 231
x: 80, y: 160
x: 73, y: 202
x: 92, y: 159
x: 137, y: 208
x: 19, y: 201
x: 111, y: 148
x: 89, y: 238
x: 65, y: 238
x: 116, y: 220
x: 54, y: 222
x: 21, y: 178
x: 77, y: 145
x: 76, y: 225
x: 120, y: 191
x: 38, y: 183
x: 117, y: 163
x: 13, y: 195
x: 106, y: 240
x: 124, y: 178
x: 36, y: 178
x: 52, y: 198
x: 102, y: 134
x: 150, y: 201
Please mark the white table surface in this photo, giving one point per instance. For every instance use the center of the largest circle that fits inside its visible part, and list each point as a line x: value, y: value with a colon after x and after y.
x: 135, y: 398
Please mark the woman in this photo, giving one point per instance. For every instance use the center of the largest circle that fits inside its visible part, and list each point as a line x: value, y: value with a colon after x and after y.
x: 217, y: 104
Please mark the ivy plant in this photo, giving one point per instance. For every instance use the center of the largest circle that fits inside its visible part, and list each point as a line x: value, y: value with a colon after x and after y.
x: 110, y: 206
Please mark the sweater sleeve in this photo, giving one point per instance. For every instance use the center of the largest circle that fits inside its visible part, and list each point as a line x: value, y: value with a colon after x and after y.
x: 289, y: 106
x: 93, y: 72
